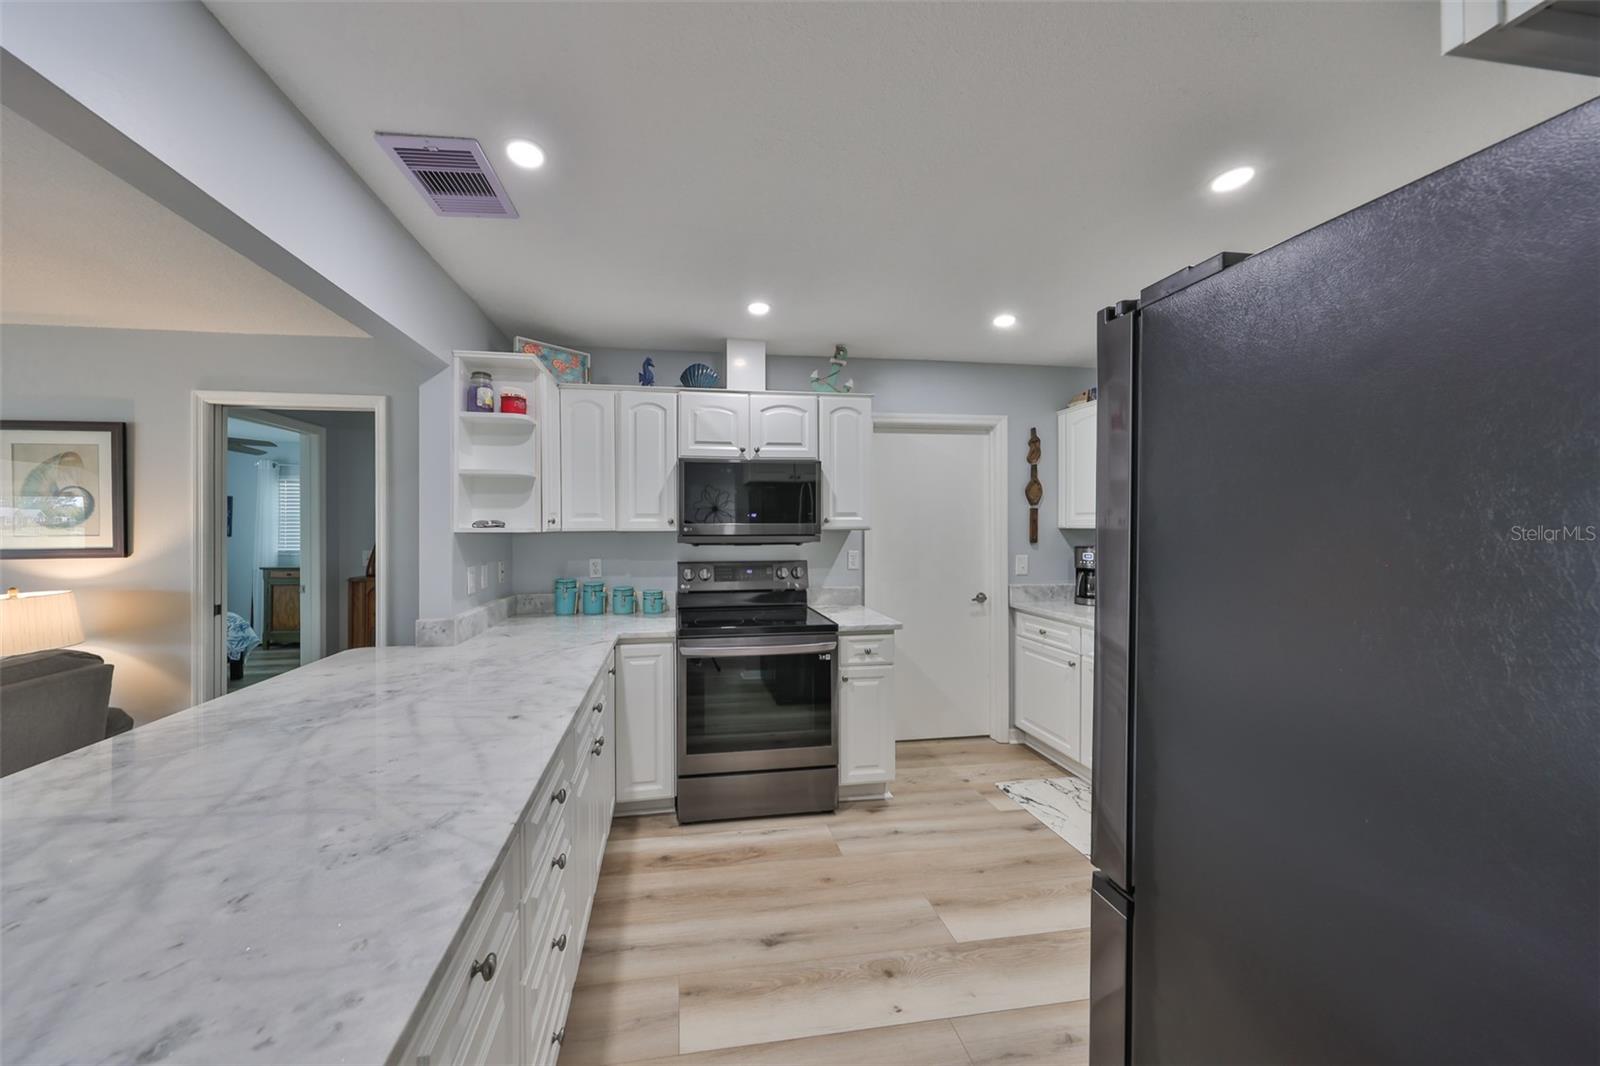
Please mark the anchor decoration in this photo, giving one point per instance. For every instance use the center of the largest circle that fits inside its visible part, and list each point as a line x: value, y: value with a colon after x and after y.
x: 829, y: 382
x: 1034, y: 491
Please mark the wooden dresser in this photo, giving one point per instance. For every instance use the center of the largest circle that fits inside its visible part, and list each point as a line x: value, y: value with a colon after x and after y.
x: 280, y: 599
x: 363, y: 613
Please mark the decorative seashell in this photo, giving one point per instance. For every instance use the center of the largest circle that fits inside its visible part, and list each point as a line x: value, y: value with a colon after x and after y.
x: 699, y: 376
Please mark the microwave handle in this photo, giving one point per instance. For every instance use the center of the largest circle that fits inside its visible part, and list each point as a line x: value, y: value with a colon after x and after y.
x: 749, y: 651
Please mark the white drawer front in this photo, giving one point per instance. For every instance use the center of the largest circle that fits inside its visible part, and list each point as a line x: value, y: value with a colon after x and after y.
x: 1061, y: 635
x: 867, y: 649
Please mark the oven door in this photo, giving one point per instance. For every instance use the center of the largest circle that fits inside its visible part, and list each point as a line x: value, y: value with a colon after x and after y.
x: 756, y: 703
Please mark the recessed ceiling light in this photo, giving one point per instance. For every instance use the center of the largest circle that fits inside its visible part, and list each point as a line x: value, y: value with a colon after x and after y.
x: 1005, y: 320
x: 759, y: 307
x: 525, y: 154
x: 1229, y: 180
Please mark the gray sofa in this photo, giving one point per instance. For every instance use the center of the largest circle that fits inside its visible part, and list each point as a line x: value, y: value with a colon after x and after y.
x: 53, y: 702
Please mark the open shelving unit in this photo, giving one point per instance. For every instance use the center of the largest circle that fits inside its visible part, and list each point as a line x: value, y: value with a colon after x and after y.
x: 496, y: 455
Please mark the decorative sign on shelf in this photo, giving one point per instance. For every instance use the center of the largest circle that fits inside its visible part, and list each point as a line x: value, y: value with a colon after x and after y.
x: 569, y: 367
x: 1033, y: 490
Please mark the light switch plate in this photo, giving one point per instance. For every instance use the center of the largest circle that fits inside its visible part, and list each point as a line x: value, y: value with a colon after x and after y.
x: 594, y: 567
x: 472, y: 580
x: 852, y: 559
x: 483, y: 576
x: 502, y: 571
x: 1021, y: 569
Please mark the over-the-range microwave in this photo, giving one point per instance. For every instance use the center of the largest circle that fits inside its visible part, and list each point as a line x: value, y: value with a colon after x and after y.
x: 755, y: 501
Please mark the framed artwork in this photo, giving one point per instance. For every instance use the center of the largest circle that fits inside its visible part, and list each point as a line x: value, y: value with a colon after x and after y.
x: 63, y: 490
x: 569, y: 367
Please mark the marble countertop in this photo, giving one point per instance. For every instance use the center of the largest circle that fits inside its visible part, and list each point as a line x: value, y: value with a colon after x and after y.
x: 275, y: 875
x: 859, y: 619
x: 1053, y: 602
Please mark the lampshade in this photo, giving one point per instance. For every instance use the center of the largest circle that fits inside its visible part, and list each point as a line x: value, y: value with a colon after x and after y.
x: 36, y: 621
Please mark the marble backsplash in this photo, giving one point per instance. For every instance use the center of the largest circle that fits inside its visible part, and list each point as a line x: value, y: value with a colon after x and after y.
x: 444, y: 632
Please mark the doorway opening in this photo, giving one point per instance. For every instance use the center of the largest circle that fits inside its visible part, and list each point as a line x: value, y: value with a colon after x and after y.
x: 290, y: 533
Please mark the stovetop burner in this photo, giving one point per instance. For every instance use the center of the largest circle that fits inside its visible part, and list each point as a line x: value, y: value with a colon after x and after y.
x: 747, y: 599
x: 752, y: 620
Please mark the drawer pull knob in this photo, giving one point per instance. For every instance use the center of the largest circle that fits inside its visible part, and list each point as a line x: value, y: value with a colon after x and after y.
x: 1072, y: 666
x: 560, y: 861
x: 599, y: 745
x: 599, y: 707
x: 485, y: 969
x: 559, y: 1035
x: 1043, y: 633
x: 560, y: 942
x: 560, y: 796
x: 866, y: 651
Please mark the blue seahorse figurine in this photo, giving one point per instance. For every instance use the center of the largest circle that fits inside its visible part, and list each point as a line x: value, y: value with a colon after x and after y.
x: 830, y: 382
x: 647, y: 373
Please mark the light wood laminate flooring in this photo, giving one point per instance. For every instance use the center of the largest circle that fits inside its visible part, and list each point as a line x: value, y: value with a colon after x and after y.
x: 943, y: 926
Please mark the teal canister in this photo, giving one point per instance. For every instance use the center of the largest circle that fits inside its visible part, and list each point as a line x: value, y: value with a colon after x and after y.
x: 621, y: 599
x: 566, y: 595
x: 594, y: 597
x: 654, y: 601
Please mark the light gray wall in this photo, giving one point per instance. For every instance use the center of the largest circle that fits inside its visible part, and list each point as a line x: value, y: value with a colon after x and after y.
x: 1029, y: 396
x: 136, y: 611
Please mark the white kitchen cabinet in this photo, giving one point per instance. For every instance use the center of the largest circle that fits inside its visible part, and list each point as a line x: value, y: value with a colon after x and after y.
x: 1046, y: 694
x: 866, y: 725
x: 783, y: 426
x: 588, y: 459
x: 647, y: 461
x: 647, y: 739
x: 713, y: 424
x: 1077, y: 430
x: 846, y: 452
x: 1086, y: 712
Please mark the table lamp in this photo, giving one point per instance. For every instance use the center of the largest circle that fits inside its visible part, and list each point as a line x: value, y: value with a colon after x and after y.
x: 38, y: 621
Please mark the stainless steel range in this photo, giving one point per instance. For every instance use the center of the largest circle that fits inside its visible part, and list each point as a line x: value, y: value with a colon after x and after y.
x: 758, y: 730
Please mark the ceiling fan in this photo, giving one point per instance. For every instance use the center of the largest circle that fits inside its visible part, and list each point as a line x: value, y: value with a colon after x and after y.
x: 249, y: 445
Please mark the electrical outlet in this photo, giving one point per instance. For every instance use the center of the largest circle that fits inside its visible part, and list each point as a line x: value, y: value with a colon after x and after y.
x: 472, y: 580
x: 594, y: 567
x: 852, y: 559
x: 502, y: 571
x: 1021, y: 569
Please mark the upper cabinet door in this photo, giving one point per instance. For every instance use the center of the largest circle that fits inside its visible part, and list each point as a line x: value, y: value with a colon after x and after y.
x: 647, y: 461
x: 588, y: 459
x: 1076, y: 429
x: 783, y: 427
x: 846, y: 461
x: 713, y: 425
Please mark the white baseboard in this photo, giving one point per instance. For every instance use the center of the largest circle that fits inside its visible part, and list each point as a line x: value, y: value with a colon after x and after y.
x: 643, y: 807
x: 858, y: 793
x: 1066, y: 762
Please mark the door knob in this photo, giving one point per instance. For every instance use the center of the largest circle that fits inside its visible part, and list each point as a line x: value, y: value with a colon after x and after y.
x: 982, y: 597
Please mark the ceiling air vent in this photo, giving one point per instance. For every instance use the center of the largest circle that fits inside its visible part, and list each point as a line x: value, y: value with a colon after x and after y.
x: 451, y: 173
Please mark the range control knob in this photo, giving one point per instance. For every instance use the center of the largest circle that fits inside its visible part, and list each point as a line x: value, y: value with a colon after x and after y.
x: 705, y: 573
x: 688, y: 573
x: 798, y: 572
x: 783, y: 572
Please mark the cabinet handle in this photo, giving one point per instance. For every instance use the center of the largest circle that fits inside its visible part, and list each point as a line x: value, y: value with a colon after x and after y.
x: 485, y: 969
x: 559, y: 797
x: 559, y: 1035
x: 599, y: 707
x: 866, y: 651
x: 560, y: 861
x: 560, y: 942
x: 672, y: 521
x: 1072, y: 664
x: 1042, y: 633
x: 599, y: 745
x: 758, y: 449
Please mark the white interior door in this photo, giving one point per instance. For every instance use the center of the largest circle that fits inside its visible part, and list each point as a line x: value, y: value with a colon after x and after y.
x: 925, y: 564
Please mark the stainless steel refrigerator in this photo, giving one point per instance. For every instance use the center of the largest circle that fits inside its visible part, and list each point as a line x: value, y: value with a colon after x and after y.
x: 1347, y: 708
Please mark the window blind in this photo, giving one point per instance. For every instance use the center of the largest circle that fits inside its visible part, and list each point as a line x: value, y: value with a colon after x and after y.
x: 289, y: 512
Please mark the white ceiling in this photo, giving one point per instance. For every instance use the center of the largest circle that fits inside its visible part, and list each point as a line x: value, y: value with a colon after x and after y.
x: 84, y: 248
x: 888, y: 175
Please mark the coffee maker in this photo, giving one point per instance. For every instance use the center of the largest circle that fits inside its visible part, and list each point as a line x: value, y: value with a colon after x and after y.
x: 1084, y: 557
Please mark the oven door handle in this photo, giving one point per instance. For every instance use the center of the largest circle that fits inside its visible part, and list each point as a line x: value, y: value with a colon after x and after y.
x: 690, y: 650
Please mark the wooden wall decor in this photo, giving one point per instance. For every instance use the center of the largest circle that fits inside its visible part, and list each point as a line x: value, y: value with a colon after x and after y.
x: 1033, y: 491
